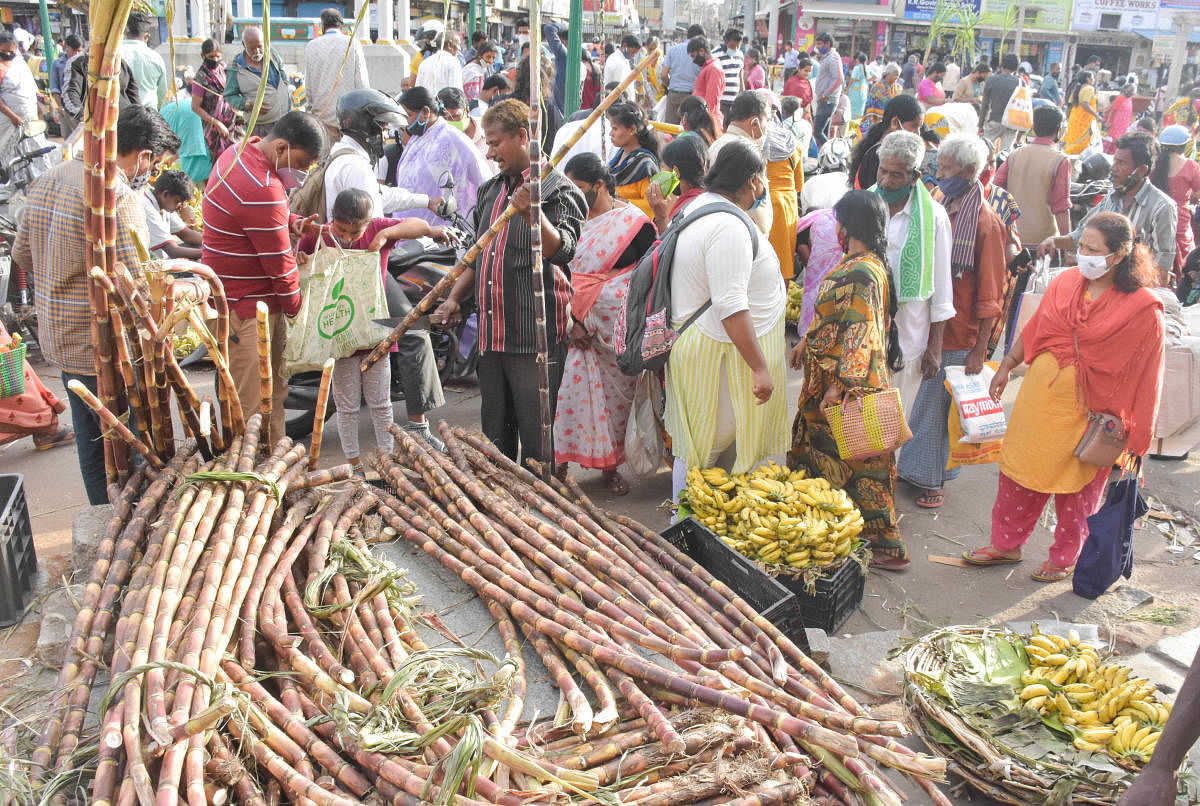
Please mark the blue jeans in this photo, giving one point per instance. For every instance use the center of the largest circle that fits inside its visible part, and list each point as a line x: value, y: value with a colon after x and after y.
x: 89, y: 440
x: 821, y: 122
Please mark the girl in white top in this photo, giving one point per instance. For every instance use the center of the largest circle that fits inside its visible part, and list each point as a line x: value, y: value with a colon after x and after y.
x: 725, y: 376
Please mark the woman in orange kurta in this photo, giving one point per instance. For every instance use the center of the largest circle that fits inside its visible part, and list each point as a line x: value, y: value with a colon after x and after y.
x: 33, y: 413
x: 1096, y: 343
x: 785, y: 179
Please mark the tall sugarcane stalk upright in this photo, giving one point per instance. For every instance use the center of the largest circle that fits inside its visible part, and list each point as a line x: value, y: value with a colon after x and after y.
x: 541, y: 335
x: 107, y: 21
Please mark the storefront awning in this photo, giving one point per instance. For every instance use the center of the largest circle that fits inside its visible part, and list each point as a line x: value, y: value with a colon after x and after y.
x: 1193, y: 34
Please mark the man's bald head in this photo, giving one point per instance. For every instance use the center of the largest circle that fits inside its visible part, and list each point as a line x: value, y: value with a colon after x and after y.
x: 252, y: 43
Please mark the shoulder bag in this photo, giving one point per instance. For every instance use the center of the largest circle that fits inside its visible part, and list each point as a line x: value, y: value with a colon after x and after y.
x: 1104, y: 440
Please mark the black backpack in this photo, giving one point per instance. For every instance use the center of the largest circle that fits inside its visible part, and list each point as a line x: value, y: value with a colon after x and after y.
x: 644, y: 335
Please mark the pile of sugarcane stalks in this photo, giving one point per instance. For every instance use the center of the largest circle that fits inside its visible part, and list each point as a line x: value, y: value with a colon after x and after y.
x: 596, y: 594
x: 251, y: 649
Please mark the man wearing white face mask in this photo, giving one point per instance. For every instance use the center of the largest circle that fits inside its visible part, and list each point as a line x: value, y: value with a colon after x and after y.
x: 748, y: 119
x: 247, y: 229
x: 1153, y: 213
x: 52, y: 247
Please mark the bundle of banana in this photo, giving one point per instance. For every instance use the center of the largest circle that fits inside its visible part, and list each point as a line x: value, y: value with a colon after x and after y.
x: 1100, y: 704
x: 775, y: 515
x: 791, y: 311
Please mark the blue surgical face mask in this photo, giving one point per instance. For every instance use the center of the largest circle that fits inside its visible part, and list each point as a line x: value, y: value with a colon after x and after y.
x: 420, y: 125
x: 953, y: 186
x: 760, y: 200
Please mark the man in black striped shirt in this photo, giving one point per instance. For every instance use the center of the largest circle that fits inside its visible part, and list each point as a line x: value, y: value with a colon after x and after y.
x: 730, y: 56
x: 503, y: 279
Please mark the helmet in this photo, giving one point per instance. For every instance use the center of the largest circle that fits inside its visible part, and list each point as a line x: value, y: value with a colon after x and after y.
x: 834, y: 155
x: 1026, y: 68
x: 363, y: 114
x: 1174, y: 135
x: 431, y: 31
x: 1096, y: 166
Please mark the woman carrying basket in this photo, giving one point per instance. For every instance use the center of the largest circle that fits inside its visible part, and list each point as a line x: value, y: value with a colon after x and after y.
x: 32, y: 413
x: 850, y: 350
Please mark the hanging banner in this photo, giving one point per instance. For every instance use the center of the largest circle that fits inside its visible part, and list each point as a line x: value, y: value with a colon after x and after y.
x: 1048, y: 14
x: 924, y: 10
x: 1115, y: 15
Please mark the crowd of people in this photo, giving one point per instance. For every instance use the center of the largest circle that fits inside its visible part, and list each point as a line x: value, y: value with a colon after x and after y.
x: 905, y: 275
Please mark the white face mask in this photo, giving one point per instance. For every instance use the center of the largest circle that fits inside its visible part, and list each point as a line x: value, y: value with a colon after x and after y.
x: 1093, y: 267
x: 522, y: 40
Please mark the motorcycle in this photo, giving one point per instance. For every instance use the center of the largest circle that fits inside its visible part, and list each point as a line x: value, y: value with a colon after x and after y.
x: 414, y: 268
x: 16, y: 294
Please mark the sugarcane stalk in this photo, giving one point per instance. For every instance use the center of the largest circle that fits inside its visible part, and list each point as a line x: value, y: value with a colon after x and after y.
x: 319, y: 414
x: 114, y: 426
x: 540, y: 327
x: 444, y: 285
x: 262, y: 319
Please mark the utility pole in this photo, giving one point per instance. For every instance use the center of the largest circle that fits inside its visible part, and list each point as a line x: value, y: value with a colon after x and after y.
x: 47, y: 37
x: 574, y: 55
x: 749, y: 7
x: 1020, y: 27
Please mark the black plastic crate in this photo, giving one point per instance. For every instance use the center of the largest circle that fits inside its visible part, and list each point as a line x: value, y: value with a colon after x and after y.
x: 772, y: 600
x: 832, y: 599
x: 18, y: 561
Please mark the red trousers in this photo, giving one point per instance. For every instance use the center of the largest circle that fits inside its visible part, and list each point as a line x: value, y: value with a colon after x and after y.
x: 1017, y: 510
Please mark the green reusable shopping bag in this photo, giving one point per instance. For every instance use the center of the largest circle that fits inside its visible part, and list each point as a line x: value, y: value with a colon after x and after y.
x: 342, y: 294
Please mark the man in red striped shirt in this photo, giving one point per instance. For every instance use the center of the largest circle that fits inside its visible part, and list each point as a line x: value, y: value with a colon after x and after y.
x: 247, y: 241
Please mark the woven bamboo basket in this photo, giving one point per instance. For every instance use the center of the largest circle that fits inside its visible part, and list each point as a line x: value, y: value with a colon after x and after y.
x: 986, y: 762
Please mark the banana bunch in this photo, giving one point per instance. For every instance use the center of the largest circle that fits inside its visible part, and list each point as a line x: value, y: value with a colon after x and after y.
x: 791, y: 311
x: 186, y: 344
x: 1105, y: 708
x: 775, y: 515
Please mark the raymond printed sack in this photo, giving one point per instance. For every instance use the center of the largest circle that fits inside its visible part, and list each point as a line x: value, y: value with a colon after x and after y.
x: 982, y: 418
x: 1018, y: 113
x: 342, y: 294
x: 968, y: 453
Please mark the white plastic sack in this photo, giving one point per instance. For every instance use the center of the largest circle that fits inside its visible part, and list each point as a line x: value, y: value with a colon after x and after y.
x: 982, y: 418
x: 342, y: 294
x: 644, y: 446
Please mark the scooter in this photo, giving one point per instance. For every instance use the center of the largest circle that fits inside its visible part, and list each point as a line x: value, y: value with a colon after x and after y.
x: 16, y: 294
x: 414, y: 267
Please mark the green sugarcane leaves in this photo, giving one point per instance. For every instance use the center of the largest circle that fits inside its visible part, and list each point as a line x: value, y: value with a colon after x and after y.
x: 231, y: 476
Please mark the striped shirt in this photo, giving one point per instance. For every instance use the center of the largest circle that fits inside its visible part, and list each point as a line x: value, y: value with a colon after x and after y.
x: 246, y: 236
x: 731, y: 64
x: 504, y: 273
x: 52, y: 247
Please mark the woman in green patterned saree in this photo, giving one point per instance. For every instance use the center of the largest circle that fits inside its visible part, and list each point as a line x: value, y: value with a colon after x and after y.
x: 850, y: 349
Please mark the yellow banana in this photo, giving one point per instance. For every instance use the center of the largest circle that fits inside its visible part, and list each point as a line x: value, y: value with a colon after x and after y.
x: 1034, y: 690
x: 1056, y: 659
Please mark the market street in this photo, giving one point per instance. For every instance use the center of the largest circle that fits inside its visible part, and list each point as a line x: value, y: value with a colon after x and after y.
x: 928, y: 595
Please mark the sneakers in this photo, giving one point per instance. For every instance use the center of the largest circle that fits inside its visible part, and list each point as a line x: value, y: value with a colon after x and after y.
x: 423, y: 430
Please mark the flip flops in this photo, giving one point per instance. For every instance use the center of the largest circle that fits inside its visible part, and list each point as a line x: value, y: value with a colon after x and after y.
x: 986, y: 556
x: 1049, y: 572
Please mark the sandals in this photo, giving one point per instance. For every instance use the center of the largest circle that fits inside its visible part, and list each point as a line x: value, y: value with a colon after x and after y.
x: 616, y: 483
x: 931, y: 499
x: 889, y: 562
x: 983, y: 557
x: 1049, y: 572
x: 45, y: 442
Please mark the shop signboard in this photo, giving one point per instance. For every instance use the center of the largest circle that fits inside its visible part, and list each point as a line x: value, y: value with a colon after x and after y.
x: 1052, y: 15
x: 1179, y: 5
x: 923, y: 10
x: 1116, y: 15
